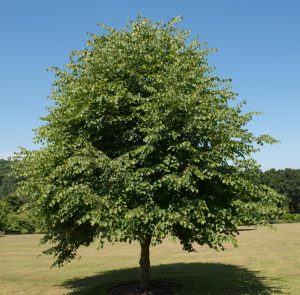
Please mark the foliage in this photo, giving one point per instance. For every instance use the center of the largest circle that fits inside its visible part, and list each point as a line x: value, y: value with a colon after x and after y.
x: 297, y: 217
x: 7, y: 182
x: 4, y: 169
x: 289, y: 217
x: 143, y: 142
x: 4, y: 210
x: 7, y: 186
x: 12, y: 218
x: 286, y: 182
x: 23, y: 222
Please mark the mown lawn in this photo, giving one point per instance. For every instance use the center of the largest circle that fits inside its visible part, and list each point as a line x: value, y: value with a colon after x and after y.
x: 266, y: 262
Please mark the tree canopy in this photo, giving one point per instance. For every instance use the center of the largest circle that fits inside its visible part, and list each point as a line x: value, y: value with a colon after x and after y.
x: 143, y: 142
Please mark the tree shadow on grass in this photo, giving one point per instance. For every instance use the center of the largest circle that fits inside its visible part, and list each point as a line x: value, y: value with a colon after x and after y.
x: 193, y: 278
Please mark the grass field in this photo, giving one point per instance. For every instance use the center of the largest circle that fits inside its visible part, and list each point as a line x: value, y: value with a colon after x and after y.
x: 266, y: 262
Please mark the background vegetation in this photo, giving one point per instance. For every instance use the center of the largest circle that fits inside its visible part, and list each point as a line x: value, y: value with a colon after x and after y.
x: 13, y: 217
x: 286, y: 182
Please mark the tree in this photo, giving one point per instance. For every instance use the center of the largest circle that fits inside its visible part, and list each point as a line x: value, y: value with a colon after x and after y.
x: 4, y: 211
x: 286, y: 182
x: 143, y: 142
x: 8, y: 184
x: 13, y: 217
x: 4, y: 169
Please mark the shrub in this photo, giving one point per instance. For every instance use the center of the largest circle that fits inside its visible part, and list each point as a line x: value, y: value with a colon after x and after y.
x: 297, y: 217
x: 23, y: 222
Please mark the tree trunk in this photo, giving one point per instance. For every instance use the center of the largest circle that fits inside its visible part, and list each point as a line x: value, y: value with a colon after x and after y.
x: 145, y: 264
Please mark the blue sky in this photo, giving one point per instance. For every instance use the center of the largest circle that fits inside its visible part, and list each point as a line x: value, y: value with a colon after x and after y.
x: 258, y: 42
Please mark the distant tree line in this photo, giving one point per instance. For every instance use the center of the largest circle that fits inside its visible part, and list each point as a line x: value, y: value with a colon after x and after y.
x: 286, y: 182
x: 14, y: 218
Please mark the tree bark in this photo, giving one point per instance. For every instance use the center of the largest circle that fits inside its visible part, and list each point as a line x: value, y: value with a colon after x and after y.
x: 145, y: 264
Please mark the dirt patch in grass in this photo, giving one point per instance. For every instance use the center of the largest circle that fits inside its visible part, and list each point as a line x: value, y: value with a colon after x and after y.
x: 155, y: 288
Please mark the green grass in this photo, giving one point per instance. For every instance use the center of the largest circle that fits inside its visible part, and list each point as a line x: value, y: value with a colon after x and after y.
x: 266, y: 262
